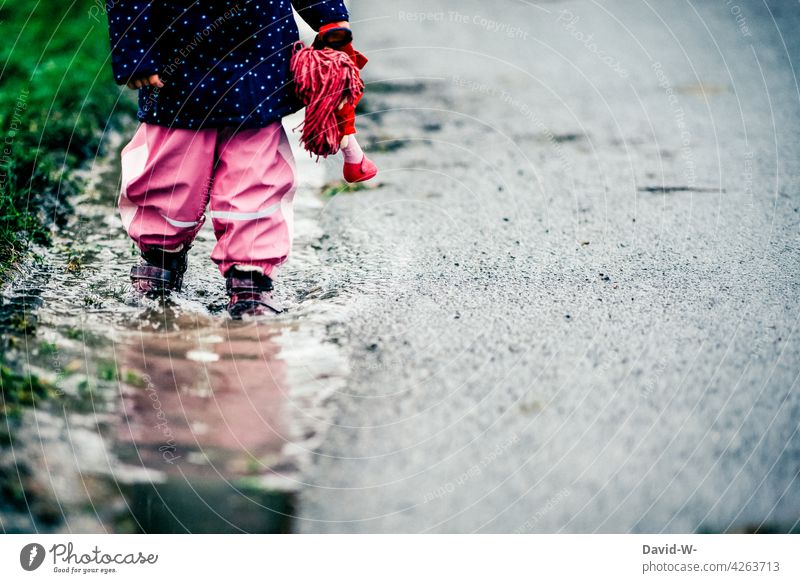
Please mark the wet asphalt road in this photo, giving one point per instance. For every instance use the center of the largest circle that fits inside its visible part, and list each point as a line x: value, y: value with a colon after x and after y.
x: 571, y: 305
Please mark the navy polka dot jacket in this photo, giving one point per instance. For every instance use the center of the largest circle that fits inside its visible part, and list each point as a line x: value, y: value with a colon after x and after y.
x: 223, y: 63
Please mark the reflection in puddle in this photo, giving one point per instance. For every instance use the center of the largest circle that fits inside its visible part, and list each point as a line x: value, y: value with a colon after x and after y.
x: 203, y: 412
x: 176, y: 507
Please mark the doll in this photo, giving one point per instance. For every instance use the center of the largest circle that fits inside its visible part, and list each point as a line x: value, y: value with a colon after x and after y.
x: 328, y: 82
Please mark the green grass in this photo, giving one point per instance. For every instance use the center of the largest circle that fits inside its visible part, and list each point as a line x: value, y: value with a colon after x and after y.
x: 331, y: 189
x: 108, y: 371
x: 56, y: 96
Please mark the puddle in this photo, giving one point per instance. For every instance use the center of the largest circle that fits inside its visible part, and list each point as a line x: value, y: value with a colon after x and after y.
x: 162, y: 418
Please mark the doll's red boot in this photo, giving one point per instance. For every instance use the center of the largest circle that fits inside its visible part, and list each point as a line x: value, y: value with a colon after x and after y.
x: 359, y: 172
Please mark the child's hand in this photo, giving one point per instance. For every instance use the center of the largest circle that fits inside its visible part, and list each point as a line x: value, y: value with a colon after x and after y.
x: 153, y: 80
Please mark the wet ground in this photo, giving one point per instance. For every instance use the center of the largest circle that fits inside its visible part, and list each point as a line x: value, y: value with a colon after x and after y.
x: 568, y: 304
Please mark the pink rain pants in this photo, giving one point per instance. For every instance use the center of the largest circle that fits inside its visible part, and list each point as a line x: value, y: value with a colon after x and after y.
x: 246, y: 177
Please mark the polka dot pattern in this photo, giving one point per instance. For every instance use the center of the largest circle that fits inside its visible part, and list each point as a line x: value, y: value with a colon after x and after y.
x: 223, y: 62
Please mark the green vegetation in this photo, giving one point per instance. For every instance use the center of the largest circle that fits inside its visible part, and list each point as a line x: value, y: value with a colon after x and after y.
x: 18, y: 391
x: 56, y: 96
x: 107, y: 371
x: 22, y: 323
x: 47, y: 348
x: 340, y: 186
x: 134, y: 379
x: 74, y: 334
x: 85, y: 389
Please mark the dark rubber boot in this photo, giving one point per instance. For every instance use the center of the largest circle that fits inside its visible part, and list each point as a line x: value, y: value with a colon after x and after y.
x: 250, y: 294
x: 159, y: 272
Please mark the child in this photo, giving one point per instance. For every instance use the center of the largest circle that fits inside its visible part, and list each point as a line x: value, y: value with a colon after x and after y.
x: 214, y: 82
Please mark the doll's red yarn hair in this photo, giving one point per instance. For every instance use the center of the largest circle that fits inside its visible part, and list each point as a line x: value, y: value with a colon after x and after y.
x: 323, y: 78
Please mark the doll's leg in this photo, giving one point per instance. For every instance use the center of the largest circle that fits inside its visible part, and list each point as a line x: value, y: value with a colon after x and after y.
x: 357, y: 167
x: 251, y: 201
x: 346, y: 118
x: 351, y: 150
x: 165, y: 178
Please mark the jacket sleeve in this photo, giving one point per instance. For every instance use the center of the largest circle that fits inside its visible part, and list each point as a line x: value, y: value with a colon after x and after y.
x: 134, y: 52
x: 319, y: 12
